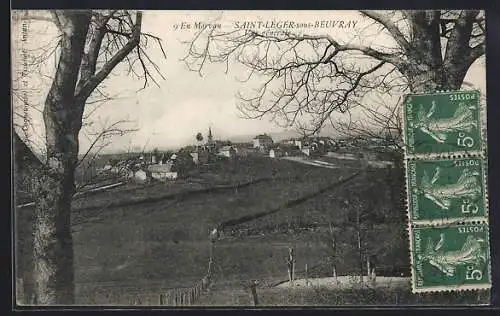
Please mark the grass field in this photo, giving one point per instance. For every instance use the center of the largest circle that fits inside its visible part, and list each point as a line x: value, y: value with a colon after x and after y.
x: 138, y: 240
x: 355, y: 296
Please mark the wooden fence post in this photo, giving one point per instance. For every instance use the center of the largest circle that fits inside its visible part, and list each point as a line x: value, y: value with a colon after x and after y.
x: 162, y: 299
x: 307, y: 280
x: 253, y: 288
x: 291, y: 264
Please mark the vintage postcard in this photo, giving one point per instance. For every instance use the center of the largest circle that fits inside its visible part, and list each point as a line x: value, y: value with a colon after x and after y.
x: 192, y: 159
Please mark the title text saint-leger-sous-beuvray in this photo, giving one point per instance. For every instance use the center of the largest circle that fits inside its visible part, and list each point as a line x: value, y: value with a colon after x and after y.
x: 293, y: 24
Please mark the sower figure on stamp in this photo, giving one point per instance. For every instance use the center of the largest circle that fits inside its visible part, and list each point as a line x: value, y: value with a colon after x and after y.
x: 291, y: 264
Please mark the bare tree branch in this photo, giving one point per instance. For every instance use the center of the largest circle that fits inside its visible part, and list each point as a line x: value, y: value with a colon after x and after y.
x: 90, y: 84
x: 390, y: 26
x: 305, y: 78
x: 107, y: 132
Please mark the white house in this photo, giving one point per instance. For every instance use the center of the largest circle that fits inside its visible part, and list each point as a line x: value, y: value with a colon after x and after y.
x: 298, y: 143
x: 275, y: 153
x: 195, y: 157
x: 200, y: 157
x: 227, y: 151
x: 262, y: 141
x: 306, y: 150
x: 170, y: 175
x: 138, y: 175
x: 162, y: 172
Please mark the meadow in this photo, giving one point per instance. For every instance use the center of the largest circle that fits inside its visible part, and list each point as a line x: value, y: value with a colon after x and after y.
x: 143, y: 239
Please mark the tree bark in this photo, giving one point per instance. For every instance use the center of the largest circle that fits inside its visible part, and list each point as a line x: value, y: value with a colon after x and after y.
x: 53, y: 244
x: 425, y: 68
x: 74, y: 81
x: 423, y: 79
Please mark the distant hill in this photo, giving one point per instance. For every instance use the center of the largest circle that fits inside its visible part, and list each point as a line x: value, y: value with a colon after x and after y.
x: 248, y: 138
x: 276, y: 136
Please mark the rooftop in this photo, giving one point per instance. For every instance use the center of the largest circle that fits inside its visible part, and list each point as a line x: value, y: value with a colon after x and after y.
x: 262, y: 136
x: 160, y: 168
x: 227, y: 147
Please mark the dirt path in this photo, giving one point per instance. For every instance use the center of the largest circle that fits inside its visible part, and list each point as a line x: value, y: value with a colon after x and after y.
x: 316, y: 163
x: 347, y: 282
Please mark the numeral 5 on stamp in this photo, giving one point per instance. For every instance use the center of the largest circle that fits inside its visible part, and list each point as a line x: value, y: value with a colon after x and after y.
x: 450, y: 257
x: 446, y: 190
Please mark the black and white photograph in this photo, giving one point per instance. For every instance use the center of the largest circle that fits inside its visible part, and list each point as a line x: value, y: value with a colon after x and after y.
x: 234, y: 158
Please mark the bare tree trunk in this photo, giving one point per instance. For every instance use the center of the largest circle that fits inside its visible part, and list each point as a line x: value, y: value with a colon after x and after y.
x: 422, y: 79
x: 334, y: 250
x: 53, y: 244
x: 426, y: 69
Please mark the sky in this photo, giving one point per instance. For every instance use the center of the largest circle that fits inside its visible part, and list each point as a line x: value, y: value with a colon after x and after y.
x: 185, y: 103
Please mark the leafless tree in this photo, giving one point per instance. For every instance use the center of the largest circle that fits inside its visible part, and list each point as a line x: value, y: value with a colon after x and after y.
x: 90, y: 45
x: 306, y: 78
x: 380, y: 120
x: 333, y: 248
x: 99, y: 137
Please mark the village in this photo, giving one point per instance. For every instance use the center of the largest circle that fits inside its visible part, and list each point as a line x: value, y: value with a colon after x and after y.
x: 171, y: 165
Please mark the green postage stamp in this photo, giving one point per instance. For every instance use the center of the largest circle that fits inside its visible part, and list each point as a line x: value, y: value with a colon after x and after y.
x: 442, y: 123
x: 454, y: 257
x: 447, y: 192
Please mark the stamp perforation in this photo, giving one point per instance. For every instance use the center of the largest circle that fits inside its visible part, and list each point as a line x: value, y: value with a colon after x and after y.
x: 468, y: 116
x: 467, y: 175
x: 441, y: 262
x: 437, y: 157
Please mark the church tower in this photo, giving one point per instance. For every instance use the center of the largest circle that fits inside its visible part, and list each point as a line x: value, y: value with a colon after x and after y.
x: 210, y: 139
